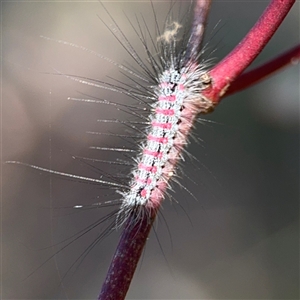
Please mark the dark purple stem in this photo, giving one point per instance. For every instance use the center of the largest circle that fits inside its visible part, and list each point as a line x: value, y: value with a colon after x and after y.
x: 126, y: 257
x: 201, y: 10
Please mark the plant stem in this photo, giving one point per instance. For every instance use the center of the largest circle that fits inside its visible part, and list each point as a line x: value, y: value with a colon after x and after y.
x: 126, y: 257
x: 246, y: 80
x: 201, y: 10
x: 229, y: 69
x: 135, y: 235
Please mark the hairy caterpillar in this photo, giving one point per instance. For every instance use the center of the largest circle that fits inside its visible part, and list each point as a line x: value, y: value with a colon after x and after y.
x: 28, y: 202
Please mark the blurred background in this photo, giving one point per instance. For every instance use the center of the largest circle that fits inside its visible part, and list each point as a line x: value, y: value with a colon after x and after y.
x: 239, y: 240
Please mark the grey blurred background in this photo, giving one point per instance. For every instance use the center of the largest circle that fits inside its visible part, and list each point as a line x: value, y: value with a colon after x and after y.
x: 240, y: 240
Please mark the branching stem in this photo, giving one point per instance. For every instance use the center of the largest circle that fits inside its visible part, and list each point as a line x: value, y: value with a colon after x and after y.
x: 230, y: 68
x: 223, y: 75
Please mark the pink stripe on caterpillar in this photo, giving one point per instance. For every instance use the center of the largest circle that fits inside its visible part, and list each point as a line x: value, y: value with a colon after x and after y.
x: 152, y: 169
x: 162, y: 140
x: 166, y: 112
x: 162, y: 125
x: 153, y: 153
x: 171, y: 98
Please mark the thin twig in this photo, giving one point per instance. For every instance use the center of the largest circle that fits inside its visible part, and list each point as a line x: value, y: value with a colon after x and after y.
x: 201, y: 11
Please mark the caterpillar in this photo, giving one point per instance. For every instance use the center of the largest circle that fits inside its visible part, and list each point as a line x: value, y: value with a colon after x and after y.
x: 25, y: 203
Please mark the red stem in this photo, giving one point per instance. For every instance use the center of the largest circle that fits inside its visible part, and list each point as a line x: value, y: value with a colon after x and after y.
x: 227, y: 71
x: 246, y: 80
